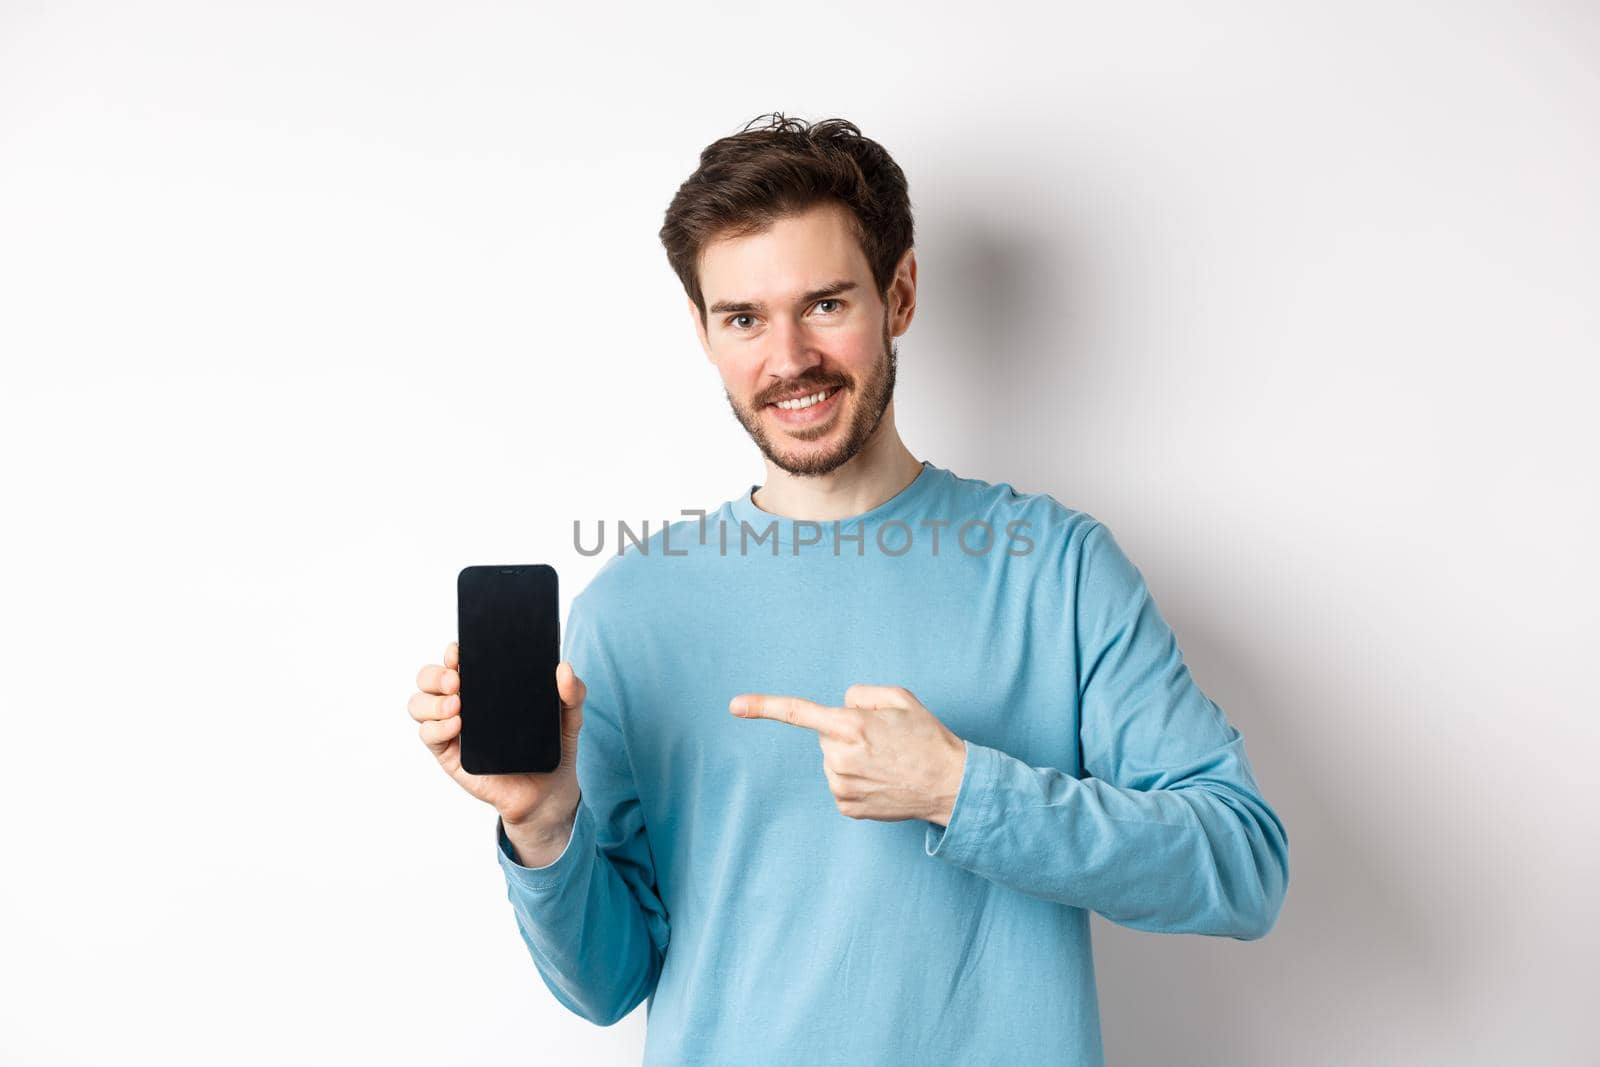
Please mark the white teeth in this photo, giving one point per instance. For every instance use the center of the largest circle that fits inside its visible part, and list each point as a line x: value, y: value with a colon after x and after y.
x: 803, y: 402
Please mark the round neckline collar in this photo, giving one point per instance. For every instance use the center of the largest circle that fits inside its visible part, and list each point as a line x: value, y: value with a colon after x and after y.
x: 745, y: 509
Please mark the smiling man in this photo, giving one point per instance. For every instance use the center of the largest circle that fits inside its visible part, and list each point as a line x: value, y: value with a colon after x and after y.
x: 849, y: 760
x: 810, y: 371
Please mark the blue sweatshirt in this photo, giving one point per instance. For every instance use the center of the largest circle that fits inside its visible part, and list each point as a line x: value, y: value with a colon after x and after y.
x: 711, y: 873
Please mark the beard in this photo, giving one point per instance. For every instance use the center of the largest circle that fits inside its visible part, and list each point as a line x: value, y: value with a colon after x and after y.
x: 872, y: 400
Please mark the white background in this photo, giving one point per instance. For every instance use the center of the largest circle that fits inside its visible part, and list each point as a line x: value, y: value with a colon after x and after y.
x: 305, y: 306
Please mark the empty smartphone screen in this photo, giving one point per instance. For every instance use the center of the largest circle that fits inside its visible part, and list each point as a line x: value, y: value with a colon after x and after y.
x: 508, y: 631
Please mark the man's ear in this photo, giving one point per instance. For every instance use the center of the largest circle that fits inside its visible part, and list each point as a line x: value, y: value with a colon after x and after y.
x: 700, y: 329
x: 903, y: 294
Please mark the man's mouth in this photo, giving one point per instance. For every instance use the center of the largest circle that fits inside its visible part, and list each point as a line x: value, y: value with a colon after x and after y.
x: 806, y: 409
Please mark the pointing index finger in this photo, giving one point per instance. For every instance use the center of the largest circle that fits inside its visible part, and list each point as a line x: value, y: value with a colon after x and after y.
x: 796, y: 711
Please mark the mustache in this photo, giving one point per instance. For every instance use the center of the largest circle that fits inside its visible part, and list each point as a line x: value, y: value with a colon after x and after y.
x: 789, y: 388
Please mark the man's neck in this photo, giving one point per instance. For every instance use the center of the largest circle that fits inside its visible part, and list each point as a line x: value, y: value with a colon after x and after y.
x: 875, y: 474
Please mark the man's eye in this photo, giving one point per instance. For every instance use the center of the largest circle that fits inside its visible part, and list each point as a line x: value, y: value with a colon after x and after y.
x: 821, y: 302
x: 732, y: 319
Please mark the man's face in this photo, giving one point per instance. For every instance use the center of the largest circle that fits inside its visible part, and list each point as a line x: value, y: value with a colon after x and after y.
x: 793, y: 312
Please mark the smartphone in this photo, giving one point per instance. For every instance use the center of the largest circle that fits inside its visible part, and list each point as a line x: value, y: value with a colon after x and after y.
x: 509, y: 635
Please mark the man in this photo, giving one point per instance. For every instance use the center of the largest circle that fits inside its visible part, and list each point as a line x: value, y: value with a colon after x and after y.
x: 848, y: 761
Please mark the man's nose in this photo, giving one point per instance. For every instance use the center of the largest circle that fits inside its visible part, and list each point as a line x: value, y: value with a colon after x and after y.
x: 792, y: 350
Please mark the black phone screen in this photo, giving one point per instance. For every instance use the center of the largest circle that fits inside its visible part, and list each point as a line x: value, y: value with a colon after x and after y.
x: 510, y: 643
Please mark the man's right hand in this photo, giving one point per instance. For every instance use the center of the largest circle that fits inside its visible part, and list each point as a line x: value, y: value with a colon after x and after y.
x: 538, y: 809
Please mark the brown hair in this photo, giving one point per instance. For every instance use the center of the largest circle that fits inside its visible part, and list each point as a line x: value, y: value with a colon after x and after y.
x: 779, y: 166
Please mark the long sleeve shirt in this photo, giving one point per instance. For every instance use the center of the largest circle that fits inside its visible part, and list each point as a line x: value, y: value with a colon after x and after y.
x: 711, y: 874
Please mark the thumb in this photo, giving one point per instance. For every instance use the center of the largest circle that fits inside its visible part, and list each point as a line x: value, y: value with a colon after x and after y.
x: 572, y: 691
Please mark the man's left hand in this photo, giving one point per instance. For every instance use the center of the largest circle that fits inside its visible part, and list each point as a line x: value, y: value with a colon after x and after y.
x: 886, y: 756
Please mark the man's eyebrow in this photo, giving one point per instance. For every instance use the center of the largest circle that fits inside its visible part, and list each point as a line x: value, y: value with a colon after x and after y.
x: 727, y: 306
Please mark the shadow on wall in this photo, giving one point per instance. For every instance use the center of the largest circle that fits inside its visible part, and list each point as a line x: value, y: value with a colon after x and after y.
x: 998, y: 329
x: 1012, y: 329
